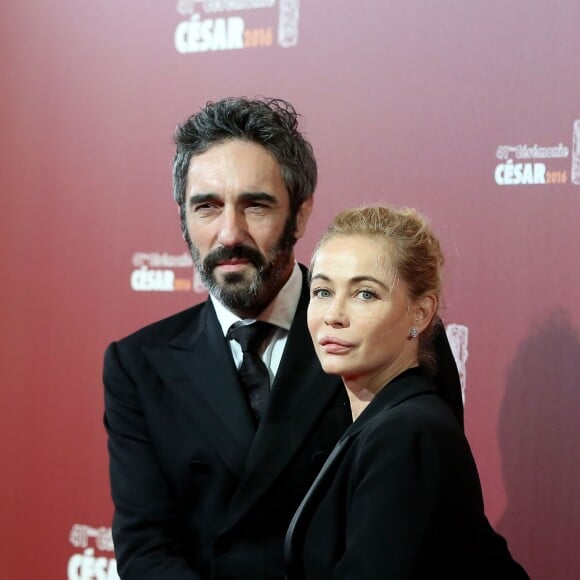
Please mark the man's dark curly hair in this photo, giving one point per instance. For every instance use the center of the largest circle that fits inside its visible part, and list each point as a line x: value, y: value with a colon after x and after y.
x: 271, y: 123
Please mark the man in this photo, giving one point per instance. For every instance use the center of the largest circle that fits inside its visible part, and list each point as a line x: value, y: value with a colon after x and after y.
x: 205, y: 478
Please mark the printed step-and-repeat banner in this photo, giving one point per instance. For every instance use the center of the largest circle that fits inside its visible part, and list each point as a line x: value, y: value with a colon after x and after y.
x: 468, y: 111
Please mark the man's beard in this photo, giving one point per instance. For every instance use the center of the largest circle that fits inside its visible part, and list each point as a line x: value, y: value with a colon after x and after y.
x: 247, y: 293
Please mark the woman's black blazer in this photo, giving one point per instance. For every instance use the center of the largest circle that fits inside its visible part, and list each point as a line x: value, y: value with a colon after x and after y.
x: 398, y: 498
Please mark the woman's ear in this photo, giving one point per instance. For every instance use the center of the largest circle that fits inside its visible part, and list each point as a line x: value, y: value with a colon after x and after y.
x: 423, y: 311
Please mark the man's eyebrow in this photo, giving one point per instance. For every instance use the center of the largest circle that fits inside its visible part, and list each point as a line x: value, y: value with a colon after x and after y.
x: 258, y: 196
x: 202, y: 198
x: 245, y: 197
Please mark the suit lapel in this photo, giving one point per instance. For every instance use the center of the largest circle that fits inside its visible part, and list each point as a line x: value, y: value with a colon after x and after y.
x: 199, y: 371
x: 300, y: 394
x: 295, y: 534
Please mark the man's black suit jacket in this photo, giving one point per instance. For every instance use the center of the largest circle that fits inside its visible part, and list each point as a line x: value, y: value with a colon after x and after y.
x: 399, y: 498
x: 197, y: 493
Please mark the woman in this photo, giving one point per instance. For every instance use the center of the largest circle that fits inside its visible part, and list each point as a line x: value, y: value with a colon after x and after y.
x: 399, y: 497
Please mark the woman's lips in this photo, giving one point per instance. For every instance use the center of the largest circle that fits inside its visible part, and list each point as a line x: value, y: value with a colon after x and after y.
x: 334, y: 345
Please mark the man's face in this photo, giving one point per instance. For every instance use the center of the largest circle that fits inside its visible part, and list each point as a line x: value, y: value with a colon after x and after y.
x: 239, y: 227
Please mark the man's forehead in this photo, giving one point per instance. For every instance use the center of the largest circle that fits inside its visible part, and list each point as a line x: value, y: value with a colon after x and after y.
x: 234, y: 149
x: 235, y: 166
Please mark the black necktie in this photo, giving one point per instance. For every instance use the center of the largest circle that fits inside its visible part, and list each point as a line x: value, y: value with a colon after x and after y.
x: 253, y: 373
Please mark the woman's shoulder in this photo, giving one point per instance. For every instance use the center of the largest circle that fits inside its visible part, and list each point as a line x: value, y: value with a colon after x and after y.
x: 408, y: 403
x: 422, y: 423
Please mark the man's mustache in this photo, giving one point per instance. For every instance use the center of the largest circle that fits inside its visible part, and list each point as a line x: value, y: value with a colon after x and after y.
x: 222, y: 254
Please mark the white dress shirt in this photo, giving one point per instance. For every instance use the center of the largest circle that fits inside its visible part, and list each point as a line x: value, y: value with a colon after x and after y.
x: 280, y: 313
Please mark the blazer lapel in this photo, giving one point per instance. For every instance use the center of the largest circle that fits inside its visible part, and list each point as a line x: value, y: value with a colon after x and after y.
x: 199, y: 371
x: 300, y: 394
x: 295, y: 534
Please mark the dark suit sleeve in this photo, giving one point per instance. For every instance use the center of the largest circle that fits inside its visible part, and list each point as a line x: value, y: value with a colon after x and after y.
x: 147, y: 532
x: 446, y: 377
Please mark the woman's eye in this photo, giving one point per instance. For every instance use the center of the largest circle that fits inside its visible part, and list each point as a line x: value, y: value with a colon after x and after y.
x: 367, y: 294
x: 320, y: 293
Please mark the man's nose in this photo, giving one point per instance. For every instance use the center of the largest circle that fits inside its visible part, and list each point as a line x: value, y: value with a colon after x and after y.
x: 232, y: 228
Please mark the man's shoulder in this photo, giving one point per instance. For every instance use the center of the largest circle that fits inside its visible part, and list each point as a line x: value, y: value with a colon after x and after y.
x: 165, y: 329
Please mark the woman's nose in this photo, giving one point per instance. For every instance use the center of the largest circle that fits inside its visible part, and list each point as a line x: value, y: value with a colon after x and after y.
x: 335, y: 314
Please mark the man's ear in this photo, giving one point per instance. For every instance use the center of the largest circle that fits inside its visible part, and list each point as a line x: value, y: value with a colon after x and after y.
x: 423, y: 310
x: 303, y: 216
x: 182, y: 223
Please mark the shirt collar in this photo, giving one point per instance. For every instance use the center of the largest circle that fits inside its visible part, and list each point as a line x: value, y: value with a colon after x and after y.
x: 279, y: 312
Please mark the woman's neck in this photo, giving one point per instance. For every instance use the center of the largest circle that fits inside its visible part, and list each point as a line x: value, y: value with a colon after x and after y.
x: 362, y: 390
x: 359, y: 401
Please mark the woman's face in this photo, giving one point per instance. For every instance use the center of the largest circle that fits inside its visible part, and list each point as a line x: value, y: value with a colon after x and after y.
x: 360, y: 313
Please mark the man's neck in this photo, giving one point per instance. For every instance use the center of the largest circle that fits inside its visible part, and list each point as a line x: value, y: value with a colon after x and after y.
x: 280, y: 311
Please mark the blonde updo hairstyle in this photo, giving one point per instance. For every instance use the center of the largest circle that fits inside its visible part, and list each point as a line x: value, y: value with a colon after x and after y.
x: 414, y: 249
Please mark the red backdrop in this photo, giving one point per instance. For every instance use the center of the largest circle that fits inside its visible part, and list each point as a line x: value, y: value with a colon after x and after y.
x: 463, y: 110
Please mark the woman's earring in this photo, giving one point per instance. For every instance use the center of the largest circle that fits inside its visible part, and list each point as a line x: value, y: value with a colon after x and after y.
x: 413, y: 333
